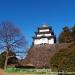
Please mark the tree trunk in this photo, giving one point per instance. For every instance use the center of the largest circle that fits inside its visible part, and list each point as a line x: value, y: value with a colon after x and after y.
x: 6, y: 60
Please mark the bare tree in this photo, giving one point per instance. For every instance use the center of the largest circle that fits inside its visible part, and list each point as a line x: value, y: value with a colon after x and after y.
x: 11, y: 39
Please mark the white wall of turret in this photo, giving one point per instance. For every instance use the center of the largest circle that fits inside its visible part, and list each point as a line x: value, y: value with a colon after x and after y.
x: 43, y: 40
x: 45, y: 30
x: 51, y: 41
x: 39, y: 35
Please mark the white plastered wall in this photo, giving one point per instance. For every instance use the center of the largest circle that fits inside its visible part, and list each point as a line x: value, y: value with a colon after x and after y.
x: 41, y: 41
x: 51, y: 41
x: 39, y: 35
x: 43, y: 30
x: 48, y: 34
x: 37, y: 41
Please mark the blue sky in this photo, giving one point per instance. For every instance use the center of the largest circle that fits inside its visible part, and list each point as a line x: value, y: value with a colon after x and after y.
x: 29, y: 14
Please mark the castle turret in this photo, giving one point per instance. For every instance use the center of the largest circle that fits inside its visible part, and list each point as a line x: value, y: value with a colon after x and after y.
x: 44, y: 35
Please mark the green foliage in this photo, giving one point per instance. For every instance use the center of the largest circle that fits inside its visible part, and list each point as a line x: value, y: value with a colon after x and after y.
x: 73, y: 32
x: 2, y: 60
x: 73, y: 29
x: 64, y: 60
x: 67, y: 35
x: 12, y: 60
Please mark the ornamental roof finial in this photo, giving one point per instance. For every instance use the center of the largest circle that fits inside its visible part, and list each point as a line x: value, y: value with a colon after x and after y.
x: 44, y: 25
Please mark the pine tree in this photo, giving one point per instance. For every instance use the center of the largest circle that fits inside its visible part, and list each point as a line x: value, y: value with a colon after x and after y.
x: 65, y: 36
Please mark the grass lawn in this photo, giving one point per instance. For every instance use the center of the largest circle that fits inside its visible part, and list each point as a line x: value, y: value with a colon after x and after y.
x: 26, y: 74
x: 13, y: 71
x: 18, y: 74
x: 2, y: 72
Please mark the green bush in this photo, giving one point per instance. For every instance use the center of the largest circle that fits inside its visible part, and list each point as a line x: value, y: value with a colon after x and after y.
x: 64, y: 60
